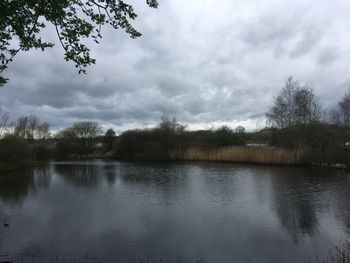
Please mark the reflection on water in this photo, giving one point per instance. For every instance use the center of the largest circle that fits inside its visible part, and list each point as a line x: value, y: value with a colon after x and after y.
x: 25, y: 182
x: 301, y: 199
x: 214, y: 212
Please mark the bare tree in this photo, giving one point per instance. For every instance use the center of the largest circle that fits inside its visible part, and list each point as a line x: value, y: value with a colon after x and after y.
x: 30, y: 127
x: 281, y: 114
x: 343, y: 116
x: 295, y: 104
x: 42, y: 131
x: 171, y: 125
x: 4, y: 122
x: 33, y: 124
x: 66, y: 134
x: 87, y: 131
x: 240, y: 129
x: 21, y: 127
x: 306, y: 106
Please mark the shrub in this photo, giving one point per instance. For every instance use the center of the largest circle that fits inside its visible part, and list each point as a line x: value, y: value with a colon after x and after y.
x: 14, y: 148
x: 42, y: 151
x: 323, y: 143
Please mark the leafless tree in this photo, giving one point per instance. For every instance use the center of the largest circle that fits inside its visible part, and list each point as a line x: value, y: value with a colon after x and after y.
x: 240, y: 129
x: 33, y: 124
x: 295, y: 104
x: 87, y: 131
x: 281, y: 114
x: 4, y: 122
x: 344, y: 111
x: 171, y: 125
x: 21, y: 127
x: 306, y: 106
x: 65, y: 134
x: 30, y: 127
x: 42, y: 131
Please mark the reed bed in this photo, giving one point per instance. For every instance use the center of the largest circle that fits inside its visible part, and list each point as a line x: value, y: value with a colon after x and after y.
x: 244, y: 154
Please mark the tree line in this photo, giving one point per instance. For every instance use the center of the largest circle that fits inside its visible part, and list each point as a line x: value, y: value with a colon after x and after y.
x: 296, y: 120
x: 29, y: 138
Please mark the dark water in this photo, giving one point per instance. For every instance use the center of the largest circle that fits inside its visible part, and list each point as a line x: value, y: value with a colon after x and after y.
x: 101, y: 211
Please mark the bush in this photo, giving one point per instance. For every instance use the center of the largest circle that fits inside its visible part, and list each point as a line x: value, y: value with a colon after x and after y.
x: 323, y: 143
x: 13, y: 148
x: 65, y: 148
x: 163, y: 142
x: 42, y: 151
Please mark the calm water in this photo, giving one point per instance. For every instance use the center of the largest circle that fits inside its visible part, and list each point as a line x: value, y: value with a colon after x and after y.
x: 106, y: 211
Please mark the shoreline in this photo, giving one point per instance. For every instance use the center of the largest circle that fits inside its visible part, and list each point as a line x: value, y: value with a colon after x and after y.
x: 265, y: 156
x: 14, y: 166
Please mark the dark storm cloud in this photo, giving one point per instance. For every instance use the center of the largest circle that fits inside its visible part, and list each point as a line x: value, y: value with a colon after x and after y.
x: 206, y: 64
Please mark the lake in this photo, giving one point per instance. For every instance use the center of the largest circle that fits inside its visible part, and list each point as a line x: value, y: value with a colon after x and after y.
x: 109, y: 211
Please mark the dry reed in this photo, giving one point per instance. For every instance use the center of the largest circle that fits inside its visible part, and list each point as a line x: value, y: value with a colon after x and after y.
x: 244, y: 154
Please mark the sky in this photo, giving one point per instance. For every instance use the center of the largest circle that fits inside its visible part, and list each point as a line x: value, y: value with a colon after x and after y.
x: 206, y: 62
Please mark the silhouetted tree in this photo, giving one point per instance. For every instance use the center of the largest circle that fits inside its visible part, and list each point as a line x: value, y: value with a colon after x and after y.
x: 21, y: 21
x: 108, y: 139
x: 30, y: 127
x: 342, y: 114
x: 294, y: 105
x: 67, y: 144
x: 21, y: 127
x: 4, y: 121
x: 281, y: 114
x: 240, y: 129
x: 43, y: 131
x: 86, y: 131
x: 66, y: 134
x: 171, y: 125
x: 306, y: 109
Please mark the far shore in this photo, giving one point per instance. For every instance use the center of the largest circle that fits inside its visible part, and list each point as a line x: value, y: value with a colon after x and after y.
x: 13, y: 166
x: 231, y: 154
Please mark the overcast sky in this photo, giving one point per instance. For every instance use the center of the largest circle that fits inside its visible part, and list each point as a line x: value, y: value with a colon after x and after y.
x: 206, y: 62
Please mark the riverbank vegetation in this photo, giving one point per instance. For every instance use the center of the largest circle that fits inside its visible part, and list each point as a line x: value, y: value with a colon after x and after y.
x: 298, y: 132
x: 245, y: 154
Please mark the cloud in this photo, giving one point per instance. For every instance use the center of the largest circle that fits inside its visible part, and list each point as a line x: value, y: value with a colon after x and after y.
x: 205, y: 63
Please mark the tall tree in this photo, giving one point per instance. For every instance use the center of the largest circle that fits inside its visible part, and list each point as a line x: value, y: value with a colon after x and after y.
x: 4, y: 121
x: 87, y: 132
x: 30, y: 127
x: 21, y: 127
x: 281, y: 114
x: 240, y: 129
x: 43, y: 131
x: 306, y: 106
x: 170, y: 125
x: 33, y: 123
x: 108, y: 139
x: 21, y: 21
x: 344, y: 110
x: 295, y: 104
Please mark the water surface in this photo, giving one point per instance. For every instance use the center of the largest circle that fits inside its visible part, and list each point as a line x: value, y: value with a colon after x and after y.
x: 108, y: 211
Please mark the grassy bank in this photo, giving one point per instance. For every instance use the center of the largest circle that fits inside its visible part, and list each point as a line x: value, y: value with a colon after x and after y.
x: 243, y: 154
